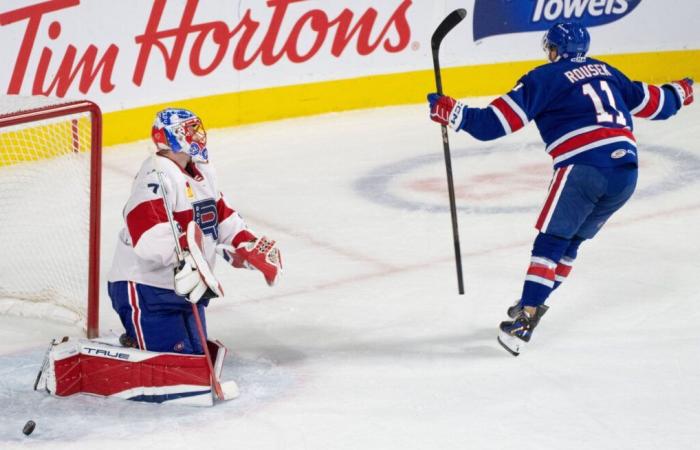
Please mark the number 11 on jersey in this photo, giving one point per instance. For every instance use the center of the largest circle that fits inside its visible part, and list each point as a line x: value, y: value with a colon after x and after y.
x: 602, y: 109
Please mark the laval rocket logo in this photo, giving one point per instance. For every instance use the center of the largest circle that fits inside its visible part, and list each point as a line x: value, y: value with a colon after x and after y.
x: 494, y: 17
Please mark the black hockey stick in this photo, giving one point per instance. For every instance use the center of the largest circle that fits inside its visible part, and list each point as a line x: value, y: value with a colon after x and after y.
x: 445, y: 27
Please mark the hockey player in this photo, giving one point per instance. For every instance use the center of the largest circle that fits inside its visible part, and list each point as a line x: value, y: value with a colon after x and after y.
x: 153, y: 290
x: 149, y: 291
x: 583, y: 109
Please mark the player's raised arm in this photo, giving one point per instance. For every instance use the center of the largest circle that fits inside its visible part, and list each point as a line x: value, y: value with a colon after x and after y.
x: 242, y: 249
x: 653, y: 102
x: 505, y: 115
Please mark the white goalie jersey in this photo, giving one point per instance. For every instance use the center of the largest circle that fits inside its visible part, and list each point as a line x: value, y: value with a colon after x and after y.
x: 145, y: 251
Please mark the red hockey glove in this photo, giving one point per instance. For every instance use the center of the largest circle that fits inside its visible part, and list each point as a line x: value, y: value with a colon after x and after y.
x: 264, y: 256
x: 446, y: 111
x: 228, y: 252
x: 261, y: 254
x: 684, y: 90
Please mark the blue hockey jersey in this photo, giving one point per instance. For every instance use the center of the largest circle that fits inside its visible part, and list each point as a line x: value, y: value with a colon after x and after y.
x: 583, y: 111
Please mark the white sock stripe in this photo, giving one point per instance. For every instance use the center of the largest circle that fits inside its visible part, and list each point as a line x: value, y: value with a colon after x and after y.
x: 567, y: 261
x: 502, y: 119
x: 543, y: 261
x: 559, y: 278
x: 540, y: 280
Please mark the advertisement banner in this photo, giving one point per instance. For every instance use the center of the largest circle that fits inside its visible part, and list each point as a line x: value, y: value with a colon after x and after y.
x: 493, y: 17
x: 308, y: 56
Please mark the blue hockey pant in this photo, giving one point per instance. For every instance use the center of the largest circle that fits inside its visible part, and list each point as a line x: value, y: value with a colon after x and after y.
x: 580, y: 201
x: 157, y: 319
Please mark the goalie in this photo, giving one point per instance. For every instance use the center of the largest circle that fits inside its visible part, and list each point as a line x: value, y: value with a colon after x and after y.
x: 152, y: 287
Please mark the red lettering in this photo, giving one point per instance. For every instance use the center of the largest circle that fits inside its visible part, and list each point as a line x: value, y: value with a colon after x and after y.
x: 152, y: 38
x: 345, y: 34
x: 210, y: 42
x: 249, y: 27
x: 33, y: 15
x: 267, y: 47
x: 268, y: 52
x: 220, y: 36
x: 319, y: 23
x: 68, y: 70
x: 365, y: 26
x: 400, y: 21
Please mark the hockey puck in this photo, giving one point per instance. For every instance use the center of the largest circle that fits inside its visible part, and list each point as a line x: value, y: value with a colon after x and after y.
x: 28, y: 427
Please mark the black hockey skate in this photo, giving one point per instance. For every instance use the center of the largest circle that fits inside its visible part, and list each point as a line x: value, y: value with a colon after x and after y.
x: 515, y: 334
x: 514, y: 311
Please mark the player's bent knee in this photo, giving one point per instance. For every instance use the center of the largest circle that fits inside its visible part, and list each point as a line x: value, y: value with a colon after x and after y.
x: 550, y: 246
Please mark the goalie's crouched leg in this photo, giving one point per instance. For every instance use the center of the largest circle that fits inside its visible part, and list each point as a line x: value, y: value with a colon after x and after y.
x: 157, y: 319
x: 77, y: 366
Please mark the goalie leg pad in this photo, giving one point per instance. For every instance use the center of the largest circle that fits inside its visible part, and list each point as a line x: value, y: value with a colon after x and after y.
x: 90, y: 367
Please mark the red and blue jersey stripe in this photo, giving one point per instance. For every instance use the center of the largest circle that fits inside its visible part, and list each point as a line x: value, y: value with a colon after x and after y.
x: 583, y: 111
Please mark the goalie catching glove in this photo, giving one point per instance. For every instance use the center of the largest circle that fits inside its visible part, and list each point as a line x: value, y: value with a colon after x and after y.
x: 261, y: 254
x: 194, y: 279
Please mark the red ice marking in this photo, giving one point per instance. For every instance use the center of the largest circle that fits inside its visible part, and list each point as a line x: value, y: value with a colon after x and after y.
x: 393, y: 270
x: 462, y: 191
x: 486, y: 186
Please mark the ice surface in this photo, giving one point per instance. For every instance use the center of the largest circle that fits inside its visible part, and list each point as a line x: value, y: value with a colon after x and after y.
x: 365, y: 343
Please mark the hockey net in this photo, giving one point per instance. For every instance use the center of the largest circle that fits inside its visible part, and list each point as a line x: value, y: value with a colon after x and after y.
x: 50, y: 175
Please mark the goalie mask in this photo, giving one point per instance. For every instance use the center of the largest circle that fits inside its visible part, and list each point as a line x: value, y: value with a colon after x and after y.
x: 180, y: 130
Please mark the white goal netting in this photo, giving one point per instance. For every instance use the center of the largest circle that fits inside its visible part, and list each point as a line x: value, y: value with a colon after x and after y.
x: 45, y: 184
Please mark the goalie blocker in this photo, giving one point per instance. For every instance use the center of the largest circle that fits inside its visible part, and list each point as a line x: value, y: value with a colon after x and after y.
x: 79, y: 366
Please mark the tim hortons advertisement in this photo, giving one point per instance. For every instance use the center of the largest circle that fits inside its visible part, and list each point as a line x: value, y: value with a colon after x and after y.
x: 73, y: 47
x: 129, y: 53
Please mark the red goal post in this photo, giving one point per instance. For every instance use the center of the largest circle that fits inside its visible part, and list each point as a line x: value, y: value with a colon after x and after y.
x: 50, y: 193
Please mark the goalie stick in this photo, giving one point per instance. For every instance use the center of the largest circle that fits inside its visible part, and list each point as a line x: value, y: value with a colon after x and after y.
x: 45, y: 363
x: 216, y: 385
x: 441, y: 31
